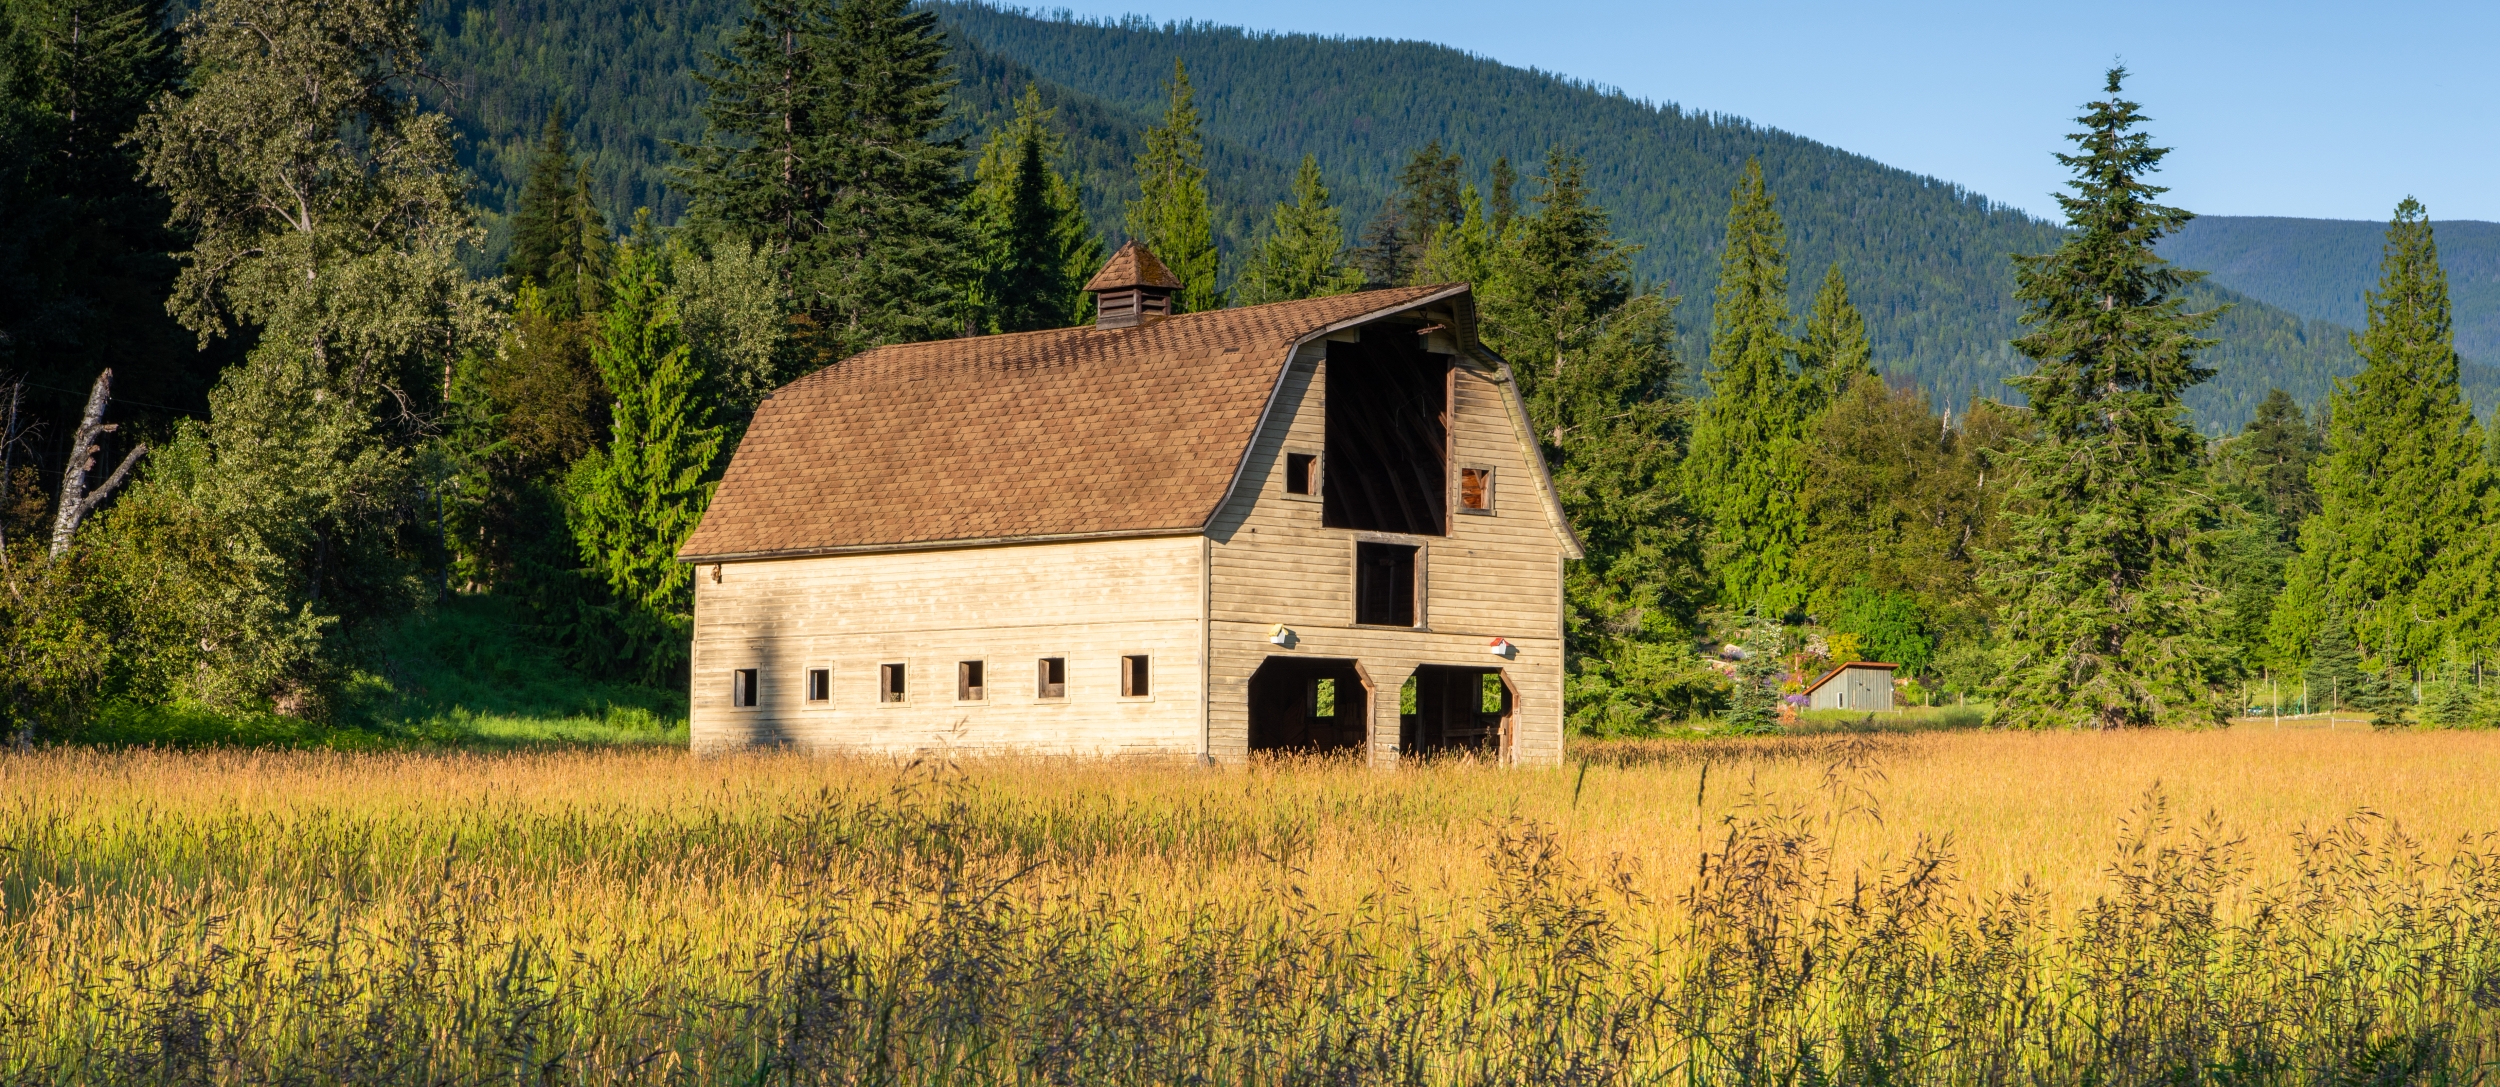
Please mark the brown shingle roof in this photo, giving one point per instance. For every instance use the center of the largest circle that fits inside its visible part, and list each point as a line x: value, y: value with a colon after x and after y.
x: 1132, y: 266
x: 1072, y: 432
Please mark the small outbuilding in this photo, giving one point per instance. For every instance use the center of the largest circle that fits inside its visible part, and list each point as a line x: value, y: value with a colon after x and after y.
x: 1857, y: 685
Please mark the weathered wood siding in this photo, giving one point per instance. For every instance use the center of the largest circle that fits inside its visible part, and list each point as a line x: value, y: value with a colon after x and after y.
x: 1091, y: 602
x: 1497, y: 575
x: 1855, y: 689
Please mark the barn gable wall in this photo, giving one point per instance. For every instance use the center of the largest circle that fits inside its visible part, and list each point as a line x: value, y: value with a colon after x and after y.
x: 1272, y: 561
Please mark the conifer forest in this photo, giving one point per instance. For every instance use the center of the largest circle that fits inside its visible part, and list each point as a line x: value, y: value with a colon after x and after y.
x: 303, y: 342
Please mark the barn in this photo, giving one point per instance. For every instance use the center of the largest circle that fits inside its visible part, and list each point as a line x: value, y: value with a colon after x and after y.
x: 1312, y: 526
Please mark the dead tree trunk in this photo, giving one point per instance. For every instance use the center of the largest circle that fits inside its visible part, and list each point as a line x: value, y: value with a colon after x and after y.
x: 76, y: 500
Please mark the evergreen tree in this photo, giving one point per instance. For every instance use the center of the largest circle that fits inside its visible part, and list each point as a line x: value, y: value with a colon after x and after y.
x: 2402, y: 488
x: 1594, y: 359
x: 1753, y: 706
x: 1460, y: 252
x: 2335, y: 675
x: 1747, y: 470
x: 2273, y: 456
x: 1302, y: 253
x: 1385, y: 255
x: 1834, y: 353
x: 1505, y: 202
x: 1171, y: 216
x: 559, y: 238
x: 1037, y: 250
x: 821, y: 147
x: 633, y: 502
x: 2105, y: 616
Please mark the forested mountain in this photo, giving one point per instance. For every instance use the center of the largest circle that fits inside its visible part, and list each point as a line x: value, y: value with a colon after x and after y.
x: 2319, y: 269
x: 1926, y: 259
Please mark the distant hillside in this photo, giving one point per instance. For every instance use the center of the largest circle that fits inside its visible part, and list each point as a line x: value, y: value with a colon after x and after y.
x: 1926, y: 259
x: 2320, y: 268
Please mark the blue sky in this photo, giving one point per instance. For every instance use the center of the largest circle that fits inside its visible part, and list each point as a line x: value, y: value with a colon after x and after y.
x: 2332, y: 111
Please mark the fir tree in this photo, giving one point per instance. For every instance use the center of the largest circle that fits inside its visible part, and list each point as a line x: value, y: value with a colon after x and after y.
x: 1834, y: 353
x: 2274, y: 454
x: 1171, y: 216
x: 1747, y: 470
x: 1753, y: 704
x: 821, y: 147
x: 2105, y: 618
x: 559, y: 238
x: 1460, y: 252
x: 1385, y: 255
x: 1505, y: 200
x: 1036, y: 247
x: 2402, y: 489
x: 633, y: 502
x: 1302, y: 253
x: 1594, y: 360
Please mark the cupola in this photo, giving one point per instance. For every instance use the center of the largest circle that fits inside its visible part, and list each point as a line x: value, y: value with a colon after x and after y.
x: 1132, y: 289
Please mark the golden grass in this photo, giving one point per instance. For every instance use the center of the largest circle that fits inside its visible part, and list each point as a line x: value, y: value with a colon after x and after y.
x: 655, y: 871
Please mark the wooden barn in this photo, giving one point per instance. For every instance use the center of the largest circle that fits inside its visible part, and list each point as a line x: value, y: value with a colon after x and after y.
x: 1308, y: 526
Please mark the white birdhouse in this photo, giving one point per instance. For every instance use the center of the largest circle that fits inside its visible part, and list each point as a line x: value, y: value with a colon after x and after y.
x: 1501, y: 647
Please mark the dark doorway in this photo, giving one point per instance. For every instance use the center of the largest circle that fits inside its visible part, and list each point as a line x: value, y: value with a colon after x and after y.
x: 1388, y: 435
x: 1455, y: 709
x: 1307, y: 704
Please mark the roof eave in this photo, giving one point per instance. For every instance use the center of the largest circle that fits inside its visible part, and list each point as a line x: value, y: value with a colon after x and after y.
x: 940, y: 545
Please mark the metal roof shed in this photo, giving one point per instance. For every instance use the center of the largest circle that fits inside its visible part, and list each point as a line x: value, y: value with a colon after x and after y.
x: 1857, y: 685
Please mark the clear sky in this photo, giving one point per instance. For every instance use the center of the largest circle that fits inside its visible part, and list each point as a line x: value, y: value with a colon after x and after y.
x: 2331, y: 111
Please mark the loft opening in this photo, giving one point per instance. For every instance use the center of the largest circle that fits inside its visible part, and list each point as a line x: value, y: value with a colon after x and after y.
x: 1387, y: 424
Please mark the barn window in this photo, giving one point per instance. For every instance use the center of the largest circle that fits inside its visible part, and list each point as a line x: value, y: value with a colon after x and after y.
x: 1298, y: 472
x: 820, y: 684
x: 742, y: 687
x: 889, y: 683
x: 1384, y: 584
x: 1133, y: 676
x: 968, y: 681
x: 1052, y: 678
x: 1323, y: 698
x: 1475, y: 490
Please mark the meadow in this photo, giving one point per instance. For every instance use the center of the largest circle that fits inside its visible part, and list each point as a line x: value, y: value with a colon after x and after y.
x: 2254, y: 905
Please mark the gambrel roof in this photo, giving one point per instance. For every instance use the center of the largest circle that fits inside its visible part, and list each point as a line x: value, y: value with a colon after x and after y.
x: 1065, y: 434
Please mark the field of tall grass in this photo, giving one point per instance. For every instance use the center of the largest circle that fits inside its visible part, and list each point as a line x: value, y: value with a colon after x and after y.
x: 2248, y: 906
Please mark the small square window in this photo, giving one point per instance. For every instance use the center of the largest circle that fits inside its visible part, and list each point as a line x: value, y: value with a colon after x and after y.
x: 1052, y: 678
x: 820, y: 684
x: 1475, y: 490
x: 968, y: 681
x: 1384, y: 584
x: 1133, y: 676
x: 1323, y: 699
x: 890, y: 683
x: 1300, y: 472
x: 742, y: 686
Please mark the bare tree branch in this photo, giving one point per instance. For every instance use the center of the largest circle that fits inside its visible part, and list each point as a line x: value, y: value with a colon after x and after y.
x: 76, y: 500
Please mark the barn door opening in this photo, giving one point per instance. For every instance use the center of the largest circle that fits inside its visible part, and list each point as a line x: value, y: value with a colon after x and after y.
x: 1455, y: 710
x: 1308, y: 705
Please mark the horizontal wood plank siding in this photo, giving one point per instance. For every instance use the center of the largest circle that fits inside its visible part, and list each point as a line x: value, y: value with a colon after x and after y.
x: 1090, y: 602
x: 1273, y: 561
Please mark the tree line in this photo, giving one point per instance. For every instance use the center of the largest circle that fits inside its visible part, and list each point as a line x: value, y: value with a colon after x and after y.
x: 385, y: 428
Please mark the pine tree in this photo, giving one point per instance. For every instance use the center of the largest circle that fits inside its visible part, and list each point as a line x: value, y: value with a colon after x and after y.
x: 632, y: 503
x: 1834, y: 352
x: 559, y: 237
x: 2403, y: 486
x: 1385, y: 255
x: 1171, y: 216
x: 1302, y: 252
x: 822, y: 148
x: 2105, y: 618
x: 1747, y: 469
x: 1594, y: 360
x: 1036, y: 248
